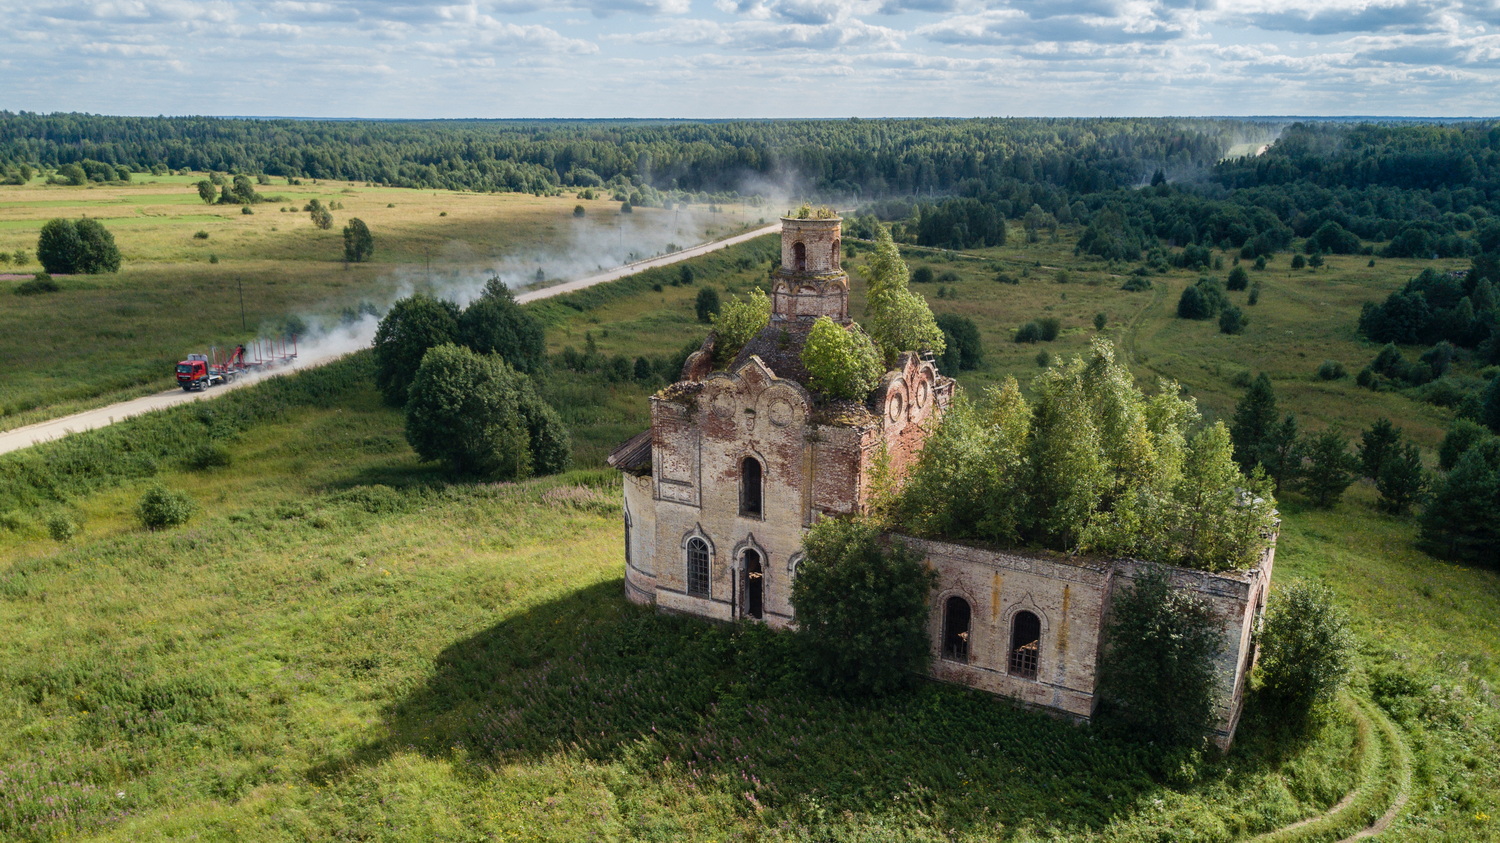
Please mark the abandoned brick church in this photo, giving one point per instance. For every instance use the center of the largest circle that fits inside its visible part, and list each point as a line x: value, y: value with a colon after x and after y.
x: 739, y: 463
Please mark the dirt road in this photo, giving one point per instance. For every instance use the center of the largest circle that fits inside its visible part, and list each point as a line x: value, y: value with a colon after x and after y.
x: 23, y: 437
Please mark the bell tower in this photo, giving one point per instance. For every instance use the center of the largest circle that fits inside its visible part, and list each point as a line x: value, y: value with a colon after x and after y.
x: 811, y: 281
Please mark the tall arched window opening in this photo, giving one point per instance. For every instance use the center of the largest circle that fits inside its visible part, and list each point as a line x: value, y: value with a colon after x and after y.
x: 697, y: 567
x: 837, y: 257
x: 956, y: 629
x: 755, y: 585
x: 1025, y: 644
x: 750, y: 488
x: 799, y: 257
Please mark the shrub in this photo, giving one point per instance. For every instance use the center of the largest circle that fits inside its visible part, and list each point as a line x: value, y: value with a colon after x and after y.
x: 1329, y: 468
x: 578, y: 211
x: 1298, y: 262
x: 209, y: 456
x: 1306, y: 648
x: 1100, y: 320
x: 83, y: 246
x: 707, y: 304
x: 862, y: 609
x: 841, y: 363
x: 1239, y: 279
x: 213, y: 258
x: 1254, y: 298
x: 1232, y: 321
x: 200, y: 235
x: 963, y: 350
x: 1332, y: 370
x: 359, y: 243
x: 412, y: 325
x: 1136, y: 283
x: 61, y: 527
x: 1156, y: 672
x: 161, y: 508
x: 1043, y: 358
x: 246, y: 211
x: 41, y: 283
x: 1049, y: 326
x: 1003, y: 277
x: 1401, y: 479
x: 1191, y: 305
x: 483, y: 418
x: 922, y: 275
x: 738, y: 322
x: 1029, y: 332
x: 495, y: 324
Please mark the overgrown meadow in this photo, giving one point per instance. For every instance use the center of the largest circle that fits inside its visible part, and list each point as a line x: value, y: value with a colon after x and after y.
x: 342, y: 644
x: 196, y: 275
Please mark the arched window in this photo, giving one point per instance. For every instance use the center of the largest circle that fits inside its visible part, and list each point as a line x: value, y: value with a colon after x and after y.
x: 799, y: 257
x: 750, y: 488
x: 755, y: 585
x: 697, y: 567
x: 835, y: 263
x: 1025, y: 643
x: 956, y: 629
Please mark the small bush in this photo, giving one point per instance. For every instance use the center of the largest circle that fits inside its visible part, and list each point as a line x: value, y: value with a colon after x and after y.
x: 1030, y: 332
x: 1050, y: 326
x: 922, y: 275
x: 1100, y: 320
x: 1136, y: 284
x: 1305, y: 648
x: 1232, y: 321
x: 208, y: 456
x: 213, y: 258
x: 246, y: 211
x: 61, y: 527
x: 161, y: 508
x: 1332, y: 370
x: 1003, y: 277
x: 42, y: 283
x: 200, y: 235
x: 1044, y: 358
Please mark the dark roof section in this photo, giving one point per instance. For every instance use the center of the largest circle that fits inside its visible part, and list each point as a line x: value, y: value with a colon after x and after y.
x: 633, y: 456
x: 779, y: 345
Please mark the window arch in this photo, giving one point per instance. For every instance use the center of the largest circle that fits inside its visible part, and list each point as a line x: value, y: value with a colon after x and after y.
x: 956, y: 629
x: 837, y: 256
x: 1025, y: 644
x: 755, y: 584
x: 751, y: 491
x: 697, y: 567
x: 799, y: 256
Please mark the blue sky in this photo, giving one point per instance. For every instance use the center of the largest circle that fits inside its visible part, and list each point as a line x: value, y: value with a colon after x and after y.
x: 751, y: 58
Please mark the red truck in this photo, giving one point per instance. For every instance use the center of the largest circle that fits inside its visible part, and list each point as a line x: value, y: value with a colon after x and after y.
x: 200, y: 371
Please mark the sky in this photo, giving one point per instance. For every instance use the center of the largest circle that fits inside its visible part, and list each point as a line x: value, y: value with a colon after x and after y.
x: 751, y: 58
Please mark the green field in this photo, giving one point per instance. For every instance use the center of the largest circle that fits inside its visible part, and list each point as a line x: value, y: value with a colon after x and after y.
x: 170, y: 299
x: 342, y: 644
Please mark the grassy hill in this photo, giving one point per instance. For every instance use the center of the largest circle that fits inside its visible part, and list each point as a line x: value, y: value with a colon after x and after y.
x: 343, y: 645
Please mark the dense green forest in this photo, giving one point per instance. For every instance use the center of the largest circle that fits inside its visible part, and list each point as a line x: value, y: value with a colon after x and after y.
x: 854, y: 157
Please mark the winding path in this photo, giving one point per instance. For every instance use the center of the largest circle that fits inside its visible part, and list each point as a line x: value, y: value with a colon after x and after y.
x: 25, y: 437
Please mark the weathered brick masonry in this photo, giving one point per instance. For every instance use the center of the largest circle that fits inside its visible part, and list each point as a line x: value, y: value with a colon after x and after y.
x: 739, y: 463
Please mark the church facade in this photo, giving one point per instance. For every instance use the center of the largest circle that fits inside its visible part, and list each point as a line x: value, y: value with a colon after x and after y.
x: 740, y: 460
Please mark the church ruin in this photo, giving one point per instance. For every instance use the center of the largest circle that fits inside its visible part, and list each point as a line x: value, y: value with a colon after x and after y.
x: 739, y: 463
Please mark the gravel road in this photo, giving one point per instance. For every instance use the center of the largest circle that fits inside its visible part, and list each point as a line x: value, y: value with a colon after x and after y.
x: 23, y: 437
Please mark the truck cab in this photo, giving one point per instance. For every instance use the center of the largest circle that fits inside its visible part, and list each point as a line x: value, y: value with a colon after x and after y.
x: 195, y: 373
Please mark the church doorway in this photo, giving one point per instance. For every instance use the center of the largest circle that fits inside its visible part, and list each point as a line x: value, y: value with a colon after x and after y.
x: 754, y: 586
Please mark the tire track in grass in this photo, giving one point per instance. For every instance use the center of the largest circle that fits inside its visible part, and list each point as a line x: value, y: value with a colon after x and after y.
x: 1383, y: 765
